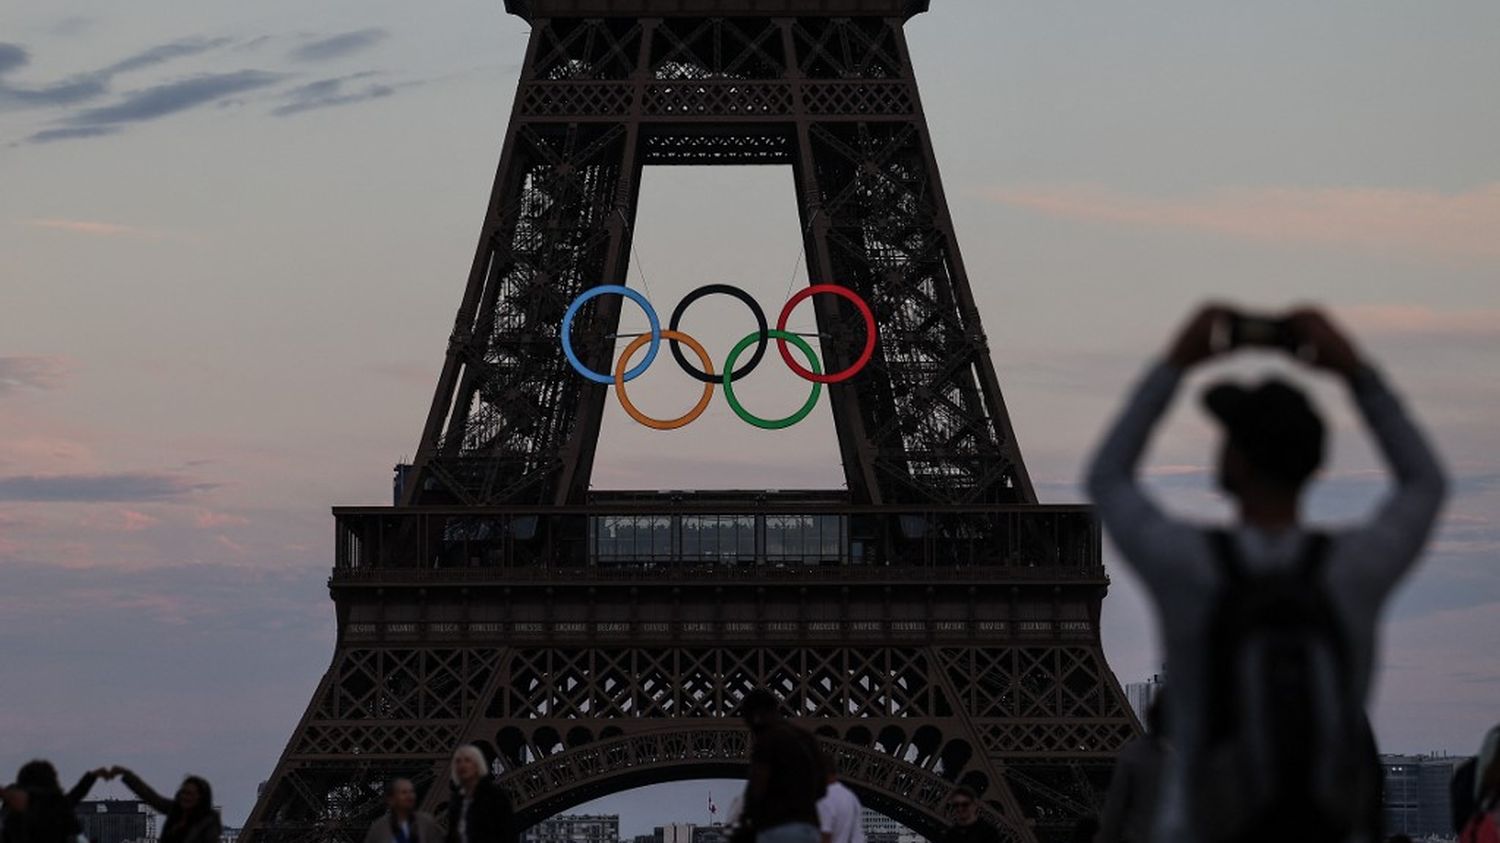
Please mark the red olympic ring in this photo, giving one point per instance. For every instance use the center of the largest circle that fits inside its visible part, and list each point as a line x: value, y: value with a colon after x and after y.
x: 864, y: 310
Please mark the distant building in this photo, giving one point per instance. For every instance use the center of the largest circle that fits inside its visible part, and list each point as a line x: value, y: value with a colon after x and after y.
x: 710, y: 834
x: 575, y: 828
x: 1140, y: 694
x: 1416, y: 794
x: 116, y: 821
x: 674, y: 833
x: 686, y: 833
x: 229, y: 834
x: 880, y: 828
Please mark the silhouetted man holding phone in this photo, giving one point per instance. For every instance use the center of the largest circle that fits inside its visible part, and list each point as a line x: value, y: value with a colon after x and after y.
x: 1269, y: 627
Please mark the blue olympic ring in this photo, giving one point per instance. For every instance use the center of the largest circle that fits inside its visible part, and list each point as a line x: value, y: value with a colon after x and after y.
x: 567, y: 332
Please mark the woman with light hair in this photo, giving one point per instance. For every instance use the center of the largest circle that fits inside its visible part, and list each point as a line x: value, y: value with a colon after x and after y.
x: 479, y: 810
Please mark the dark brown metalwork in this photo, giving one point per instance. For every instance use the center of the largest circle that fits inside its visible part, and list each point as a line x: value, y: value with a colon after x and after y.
x: 932, y: 622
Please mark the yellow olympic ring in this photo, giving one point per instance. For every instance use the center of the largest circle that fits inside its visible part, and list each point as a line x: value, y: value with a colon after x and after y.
x: 664, y: 424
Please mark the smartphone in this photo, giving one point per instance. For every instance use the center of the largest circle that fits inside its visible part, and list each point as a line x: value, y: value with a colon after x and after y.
x: 1240, y: 330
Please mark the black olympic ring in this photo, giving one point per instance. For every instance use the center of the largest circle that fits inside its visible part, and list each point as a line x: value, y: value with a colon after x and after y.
x: 761, y: 327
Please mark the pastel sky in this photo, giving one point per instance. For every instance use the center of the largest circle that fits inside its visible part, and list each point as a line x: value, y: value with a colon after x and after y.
x: 233, y: 237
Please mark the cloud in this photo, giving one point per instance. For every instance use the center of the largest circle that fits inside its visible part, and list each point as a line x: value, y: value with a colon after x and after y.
x: 164, y: 53
x: 36, y: 372
x: 101, y: 229
x: 339, y: 45
x: 1447, y: 225
x: 69, y: 92
x: 12, y: 56
x: 92, y: 84
x: 131, y: 521
x: 327, y: 93
x: 89, y: 488
x: 172, y: 97
x: 1413, y: 320
x: 214, y: 520
x: 50, y: 135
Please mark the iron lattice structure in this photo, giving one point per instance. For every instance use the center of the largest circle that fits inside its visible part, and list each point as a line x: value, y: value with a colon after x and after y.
x: 932, y: 622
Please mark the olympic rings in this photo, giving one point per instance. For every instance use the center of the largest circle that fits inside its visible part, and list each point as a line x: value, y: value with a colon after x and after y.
x: 864, y: 310
x: 680, y: 421
x: 567, y: 332
x: 772, y: 424
x: 760, y: 323
x: 761, y: 337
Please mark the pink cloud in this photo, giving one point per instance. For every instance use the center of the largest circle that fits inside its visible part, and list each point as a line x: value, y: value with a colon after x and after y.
x: 213, y: 520
x: 132, y: 521
x: 90, y: 227
x: 44, y: 452
x: 1457, y: 226
x: 35, y: 372
x: 233, y: 545
x: 1418, y: 320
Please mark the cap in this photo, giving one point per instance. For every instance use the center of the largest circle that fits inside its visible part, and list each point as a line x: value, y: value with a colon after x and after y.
x: 1273, y: 425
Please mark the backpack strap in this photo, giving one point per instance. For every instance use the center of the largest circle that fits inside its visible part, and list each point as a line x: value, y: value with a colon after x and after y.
x: 1221, y: 542
x: 1314, y: 555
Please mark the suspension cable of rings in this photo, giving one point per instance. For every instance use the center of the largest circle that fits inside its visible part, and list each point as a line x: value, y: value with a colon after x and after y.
x: 635, y: 255
x: 801, y: 255
x: 635, y: 259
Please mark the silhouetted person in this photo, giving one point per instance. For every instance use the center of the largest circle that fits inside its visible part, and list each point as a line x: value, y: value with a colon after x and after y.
x: 1461, y: 793
x: 1483, y: 825
x: 840, y: 816
x: 402, y: 822
x: 1135, y: 786
x: 1398, y: 838
x: 191, y: 816
x: 1269, y: 628
x: 1463, y: 788
x: 36, y: 809
x: 786, y: 775
x: 963, y: 805
x: 479, y: 811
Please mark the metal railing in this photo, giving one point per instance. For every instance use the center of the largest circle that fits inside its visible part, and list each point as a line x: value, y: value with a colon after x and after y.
x: 750, y: 540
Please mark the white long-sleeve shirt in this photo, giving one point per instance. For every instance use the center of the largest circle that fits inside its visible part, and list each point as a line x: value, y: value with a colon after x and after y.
x: 1176, y: 562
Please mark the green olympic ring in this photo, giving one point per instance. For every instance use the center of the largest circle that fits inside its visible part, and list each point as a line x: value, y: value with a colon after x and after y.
x: 746, y: 415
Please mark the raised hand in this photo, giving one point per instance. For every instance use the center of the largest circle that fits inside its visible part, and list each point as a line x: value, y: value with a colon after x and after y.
x: 1195, y: 342
x: 1327, y: 346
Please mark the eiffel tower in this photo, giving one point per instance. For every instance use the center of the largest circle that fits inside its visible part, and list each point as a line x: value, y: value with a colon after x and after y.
x: 932, y: 622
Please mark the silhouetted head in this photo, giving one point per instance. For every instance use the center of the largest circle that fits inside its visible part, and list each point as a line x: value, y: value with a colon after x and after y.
x: 469, y: 766
x: 1487, y: 769
x: 401, y: 796
x: 194, y: 800
x: 1273, y: 438
x: 759, y: 709
x: 38, y: 775
x: 963, y: 805
x: 194, y: 796
x: 1156, y: 714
